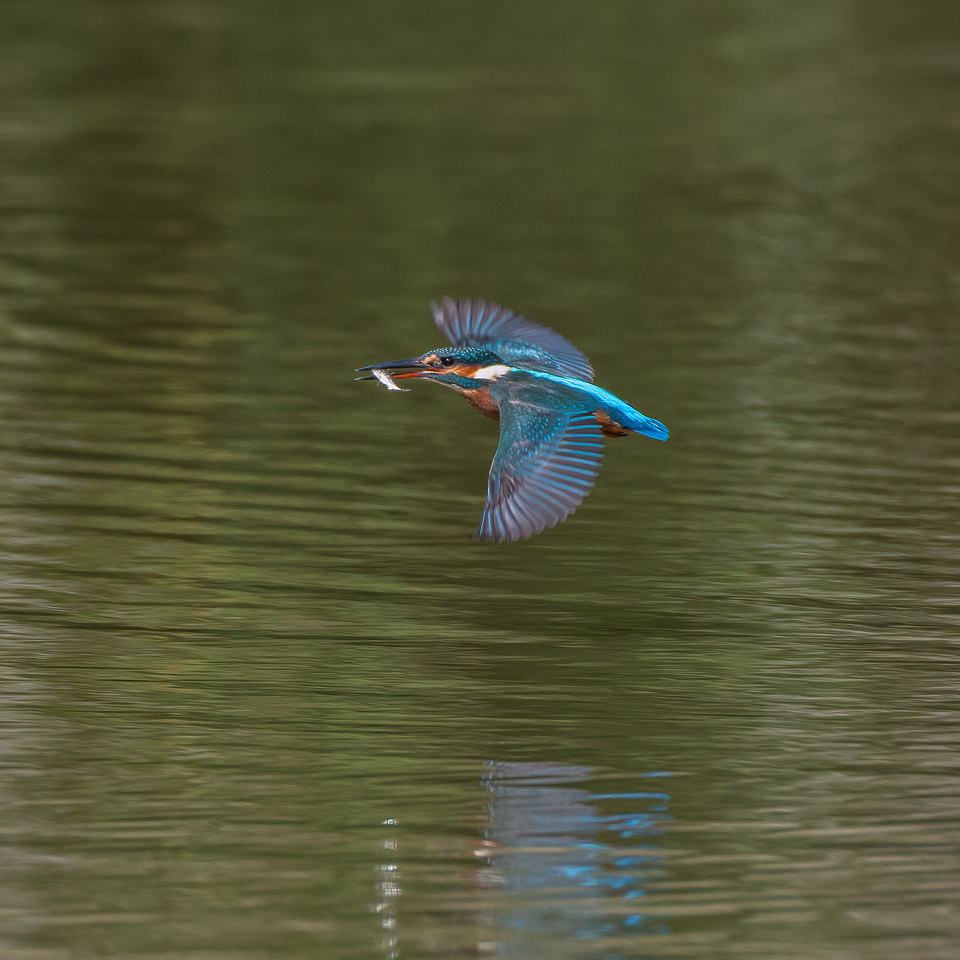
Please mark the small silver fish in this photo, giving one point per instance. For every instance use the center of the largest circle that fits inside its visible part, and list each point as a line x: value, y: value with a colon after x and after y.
x: 387, y: 380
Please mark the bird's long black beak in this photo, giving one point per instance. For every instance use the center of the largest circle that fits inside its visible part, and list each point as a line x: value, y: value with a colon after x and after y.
x: 412, y: 364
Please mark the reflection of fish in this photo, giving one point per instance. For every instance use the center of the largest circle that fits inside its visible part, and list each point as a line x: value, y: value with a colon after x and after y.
x: 387, y: 380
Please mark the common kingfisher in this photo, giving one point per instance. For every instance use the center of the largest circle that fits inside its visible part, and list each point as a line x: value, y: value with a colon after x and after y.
x: 552, y: 417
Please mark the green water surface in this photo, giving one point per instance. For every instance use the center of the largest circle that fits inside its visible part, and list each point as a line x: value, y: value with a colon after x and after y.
x: 261, y: 695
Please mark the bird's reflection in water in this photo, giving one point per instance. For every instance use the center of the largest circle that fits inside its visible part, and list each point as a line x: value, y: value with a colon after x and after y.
x: 574, y: 860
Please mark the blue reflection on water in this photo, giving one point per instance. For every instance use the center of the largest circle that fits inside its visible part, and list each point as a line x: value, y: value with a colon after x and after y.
x: 576, y: 861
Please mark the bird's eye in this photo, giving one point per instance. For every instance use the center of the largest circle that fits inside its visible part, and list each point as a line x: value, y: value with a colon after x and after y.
x: 448, y: 361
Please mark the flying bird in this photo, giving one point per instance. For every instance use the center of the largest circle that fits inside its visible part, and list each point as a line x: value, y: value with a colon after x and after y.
x: 552, y: 417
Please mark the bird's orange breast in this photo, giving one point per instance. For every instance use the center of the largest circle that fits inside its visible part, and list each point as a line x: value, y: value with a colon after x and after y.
x: 481, y: 400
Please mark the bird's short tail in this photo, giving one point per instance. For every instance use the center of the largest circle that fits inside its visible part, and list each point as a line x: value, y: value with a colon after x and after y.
x: 649, y: 428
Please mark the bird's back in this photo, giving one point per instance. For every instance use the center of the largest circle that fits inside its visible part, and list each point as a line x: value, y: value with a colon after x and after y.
x: 549, y: 391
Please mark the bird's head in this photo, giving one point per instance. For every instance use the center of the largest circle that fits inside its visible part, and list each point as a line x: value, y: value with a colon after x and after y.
x: 463, y: 368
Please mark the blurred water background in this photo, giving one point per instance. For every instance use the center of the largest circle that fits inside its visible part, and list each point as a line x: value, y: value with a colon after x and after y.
x: 262, y: 697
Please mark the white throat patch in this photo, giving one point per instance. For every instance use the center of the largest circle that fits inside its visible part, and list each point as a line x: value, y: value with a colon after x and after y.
x: 491, y: 372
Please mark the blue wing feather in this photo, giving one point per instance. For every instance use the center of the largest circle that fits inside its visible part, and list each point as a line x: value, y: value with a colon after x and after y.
x: 515, y: 339
x: 545, y: 464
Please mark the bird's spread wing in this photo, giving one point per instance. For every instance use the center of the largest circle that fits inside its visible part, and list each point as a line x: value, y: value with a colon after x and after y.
x: 544, y: 466
x: 515, y: 339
